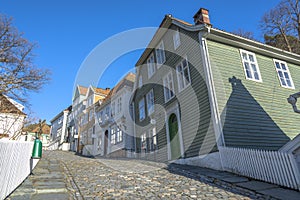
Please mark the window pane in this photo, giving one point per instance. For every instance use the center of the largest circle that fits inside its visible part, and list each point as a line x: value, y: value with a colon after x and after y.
x: 244, y: 56
x: 251, y: 58
x: 277, y: 65
x: 283, y: 66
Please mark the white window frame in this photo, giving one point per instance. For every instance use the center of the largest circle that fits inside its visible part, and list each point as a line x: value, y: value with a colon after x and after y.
x: 160, y: 54
x: 169, y: 93
x: 119, y: 105
x: 283, y: 71
x: 119, y: 135
x: 151, y: 65
x: 176, y: 39
x: 113, y: 135
x: 153, y: 139
x: 140, y: 81
x: 250, y: 63
x: 144, y: 141
x: 142, y: 114
x: 181, y: 79
x: 150, y: 102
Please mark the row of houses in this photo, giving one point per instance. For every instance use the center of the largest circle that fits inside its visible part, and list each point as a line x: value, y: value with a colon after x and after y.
x: 197, y: 89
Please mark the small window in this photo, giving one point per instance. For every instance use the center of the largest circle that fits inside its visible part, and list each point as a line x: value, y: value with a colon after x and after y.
x: 153, y: 139
x: 140, y: 81
x: 144, y: 142
x: 283, y: 74
x: 176, y: 39
x: 113, y: 109
x: 119, y: 106
x: 250, y: 66
x: 168, y: 87
x: 113, y: 135
x: 142, y: 109
x: 119, y: 135
x: 183, y: 74
x: 150, y: 102
x: 91, y: 114
x: 160, y: 54
x: 151, y: 66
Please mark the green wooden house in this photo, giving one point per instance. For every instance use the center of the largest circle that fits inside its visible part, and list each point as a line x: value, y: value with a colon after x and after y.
x: 198, y: 88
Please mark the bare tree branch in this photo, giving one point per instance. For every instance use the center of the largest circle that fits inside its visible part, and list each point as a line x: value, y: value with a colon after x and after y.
x: 18, y: 73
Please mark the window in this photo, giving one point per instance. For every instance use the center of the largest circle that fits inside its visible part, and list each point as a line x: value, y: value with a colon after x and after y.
x: 119, y: 105
x: 91, y: 115
x: 153, y: 139
x: 183, y: 74
x: 140, y: 81
x: 142, y: 109
x: 168, y: 87
x: 113, y: 136
x: 107, y: 110
x: 160, y: 54
x: 151, y: 65
x: 250, y: 66
x: 113, y: 105
x: 176, y: 39
x: 150, y: 102
x: 119, y: 135
x: 144, y: 142
x: 283, y: 74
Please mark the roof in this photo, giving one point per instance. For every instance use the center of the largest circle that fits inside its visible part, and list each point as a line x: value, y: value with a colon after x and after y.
x: 128, y: 80
x: 36, y: 127
x: 7, y: 105
x: 82, y: 90
x: 101, y: 91
x: 218, y: 35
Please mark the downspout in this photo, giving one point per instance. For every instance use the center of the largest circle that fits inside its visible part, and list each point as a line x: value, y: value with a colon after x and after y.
x: 211, y: 88
x: 212, y: 93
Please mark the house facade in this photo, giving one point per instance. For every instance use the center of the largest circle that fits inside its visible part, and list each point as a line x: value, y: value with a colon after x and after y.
x: 11, y: 118
x: 58, y: 131
x: 94, y: 97
x: 114, y: 124
x: 198, y: 88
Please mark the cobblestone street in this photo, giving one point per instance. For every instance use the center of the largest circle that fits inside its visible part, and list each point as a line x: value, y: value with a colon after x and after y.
x: 79, y: 177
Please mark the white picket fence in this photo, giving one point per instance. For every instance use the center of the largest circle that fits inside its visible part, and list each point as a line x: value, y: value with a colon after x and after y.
x: 270, y: 166
x: 15, y: 164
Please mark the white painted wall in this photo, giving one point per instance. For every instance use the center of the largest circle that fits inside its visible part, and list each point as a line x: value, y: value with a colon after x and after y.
x: 11, y: 123
x: 15, y: 164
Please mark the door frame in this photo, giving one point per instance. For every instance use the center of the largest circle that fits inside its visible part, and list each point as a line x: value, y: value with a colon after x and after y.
x: 174, y: 109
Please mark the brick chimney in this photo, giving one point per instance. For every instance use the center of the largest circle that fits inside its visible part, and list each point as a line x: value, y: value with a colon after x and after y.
x: 202, y: 17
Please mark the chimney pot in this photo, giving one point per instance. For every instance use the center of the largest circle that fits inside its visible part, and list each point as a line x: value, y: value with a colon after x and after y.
x: 202, y: 17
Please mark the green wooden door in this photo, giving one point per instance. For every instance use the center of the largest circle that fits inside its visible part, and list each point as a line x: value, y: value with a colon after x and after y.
x: 174, y: 138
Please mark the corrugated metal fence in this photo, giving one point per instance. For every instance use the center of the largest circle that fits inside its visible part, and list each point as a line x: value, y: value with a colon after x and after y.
x: 270, y: 166
x: 15, y: 165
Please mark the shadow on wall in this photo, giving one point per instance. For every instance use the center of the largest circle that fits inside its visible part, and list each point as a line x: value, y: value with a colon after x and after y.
x: 247, y: 124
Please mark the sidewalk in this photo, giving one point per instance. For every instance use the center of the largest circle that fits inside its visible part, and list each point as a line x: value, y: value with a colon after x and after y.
x: 235, y: 183
x: 47, y: 181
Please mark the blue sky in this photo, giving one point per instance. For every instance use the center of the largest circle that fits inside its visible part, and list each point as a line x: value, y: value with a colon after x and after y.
x: 67, y: 31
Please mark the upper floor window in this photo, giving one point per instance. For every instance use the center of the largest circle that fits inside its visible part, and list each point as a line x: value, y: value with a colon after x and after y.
x: 176, y: 39
x: 168, y: 86
x: 119, y: 105
x: 151, y: 65
x: 250, y: 66
x: 107, y: 112
x: 150, y: 102
x: 113, y: 111
x: 91, y: 115
x: 160, y: 54
x: 140, y: 81
x: 142, y: 109
x: 183, y: 74
x: 284, y: 74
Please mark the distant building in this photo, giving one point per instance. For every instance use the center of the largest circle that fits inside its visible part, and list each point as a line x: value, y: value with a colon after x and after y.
x: 11, y: 118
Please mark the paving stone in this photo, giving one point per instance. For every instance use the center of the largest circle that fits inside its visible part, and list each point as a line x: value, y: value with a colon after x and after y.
x: 257, y: 185
x: 235, y: 179
x: 281, y: 193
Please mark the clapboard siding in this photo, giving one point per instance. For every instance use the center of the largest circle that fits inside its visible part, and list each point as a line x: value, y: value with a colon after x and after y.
x: 193, y: 101
x: 254, y: 114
